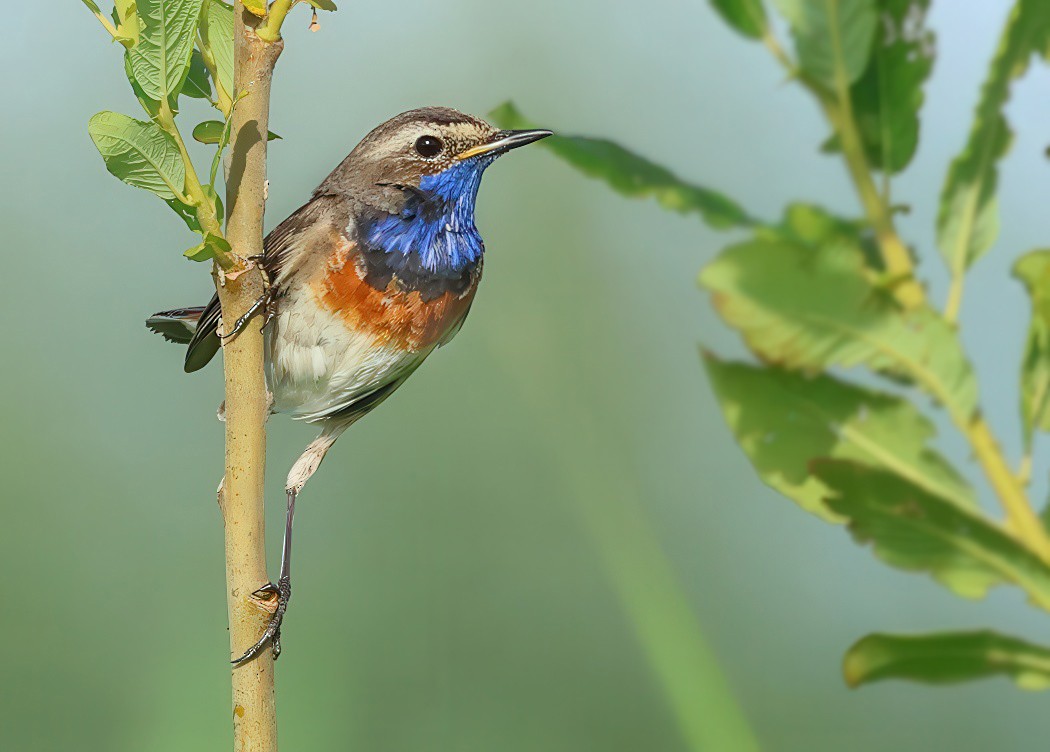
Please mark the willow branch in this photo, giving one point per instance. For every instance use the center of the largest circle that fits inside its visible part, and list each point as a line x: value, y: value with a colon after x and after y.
x: 895, y: 254
x: 247, y: 405
x: 838, y: 109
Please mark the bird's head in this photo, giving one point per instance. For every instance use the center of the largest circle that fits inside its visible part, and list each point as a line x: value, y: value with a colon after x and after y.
x: 416, y: 178
x: 438, y: 151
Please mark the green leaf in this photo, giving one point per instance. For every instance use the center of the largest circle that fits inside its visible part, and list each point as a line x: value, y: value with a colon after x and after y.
x: 224, y: 139
x: 217, y: 33
x: 197, y: 84
x: 322, y: 4
x: 258, y: 7
x: 812, y: 226
x: 968, y: 218
x: 783, y: 420
x: 833, y: 38
x: 125, y: 9
x: 139, y: 153
x: 207, y: 248
x: 914, y: 530
x: 1033, y: 269
x: 218, y: 242
x: 186, y: 213
x: 747, y: 17
x: 161, y: 59
x: 151, y: 106
x: 632, y: 175
x: 91, y: 6
x: 209, y: 131
x: 127, y: 21
x: 887, y: 99
x: 947, y: 658
x: 809, y: 307
x: 210, y: 193
x: 200, y: 252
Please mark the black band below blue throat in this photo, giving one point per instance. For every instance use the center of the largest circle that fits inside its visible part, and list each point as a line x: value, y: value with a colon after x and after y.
x: 410, y: 275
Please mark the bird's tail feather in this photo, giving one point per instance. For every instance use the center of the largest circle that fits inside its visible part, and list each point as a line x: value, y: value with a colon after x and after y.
x: 177, y: 325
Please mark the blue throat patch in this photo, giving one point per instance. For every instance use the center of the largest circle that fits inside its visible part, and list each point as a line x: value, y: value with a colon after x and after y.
x: 435, y: 233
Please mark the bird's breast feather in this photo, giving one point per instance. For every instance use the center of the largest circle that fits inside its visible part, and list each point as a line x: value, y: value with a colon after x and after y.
x: 392, y: 315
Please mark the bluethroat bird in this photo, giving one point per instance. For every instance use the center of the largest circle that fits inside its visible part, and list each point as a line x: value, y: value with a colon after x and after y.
x: 377, y: 270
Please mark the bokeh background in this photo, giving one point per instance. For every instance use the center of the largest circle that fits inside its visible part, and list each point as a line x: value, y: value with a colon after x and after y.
x: 548, y: 540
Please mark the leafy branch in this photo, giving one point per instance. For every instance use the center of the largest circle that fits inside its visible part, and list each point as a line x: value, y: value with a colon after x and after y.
x: 176, y: 48
x: 814, y: 295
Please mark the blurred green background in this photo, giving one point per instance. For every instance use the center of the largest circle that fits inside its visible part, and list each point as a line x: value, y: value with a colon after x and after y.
x: 541, y: 542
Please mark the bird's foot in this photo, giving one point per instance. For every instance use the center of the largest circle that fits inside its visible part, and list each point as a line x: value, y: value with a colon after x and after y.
x: 282, y: 592
x: 239, y: 324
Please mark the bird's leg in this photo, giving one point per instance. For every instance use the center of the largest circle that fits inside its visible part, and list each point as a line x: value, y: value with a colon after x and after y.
x: 282, y: 591
x: 301, y: 471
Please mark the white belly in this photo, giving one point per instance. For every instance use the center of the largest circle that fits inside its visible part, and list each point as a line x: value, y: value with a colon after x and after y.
x: 316, y: 366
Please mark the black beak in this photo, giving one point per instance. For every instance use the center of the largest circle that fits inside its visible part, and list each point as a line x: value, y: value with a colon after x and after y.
x: 504, y: 141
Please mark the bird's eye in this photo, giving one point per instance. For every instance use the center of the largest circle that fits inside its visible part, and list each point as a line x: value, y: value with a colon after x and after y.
x: 429, y: 146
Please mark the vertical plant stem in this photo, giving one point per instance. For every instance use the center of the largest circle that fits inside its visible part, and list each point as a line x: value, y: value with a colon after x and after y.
x: 895, y: 254
x: 839, y: 111
x: 247, y: 404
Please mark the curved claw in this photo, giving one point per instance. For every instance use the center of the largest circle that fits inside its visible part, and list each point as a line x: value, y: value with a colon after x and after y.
x: 272, y: 633
x: 265, y: 303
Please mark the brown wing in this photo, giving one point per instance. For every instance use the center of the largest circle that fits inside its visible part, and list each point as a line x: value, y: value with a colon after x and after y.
x: 280, y: 260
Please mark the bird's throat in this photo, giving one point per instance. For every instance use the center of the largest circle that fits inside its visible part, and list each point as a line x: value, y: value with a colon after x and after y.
x: 434, y: 236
